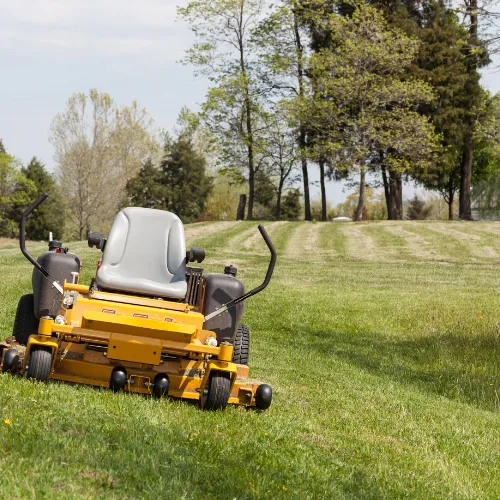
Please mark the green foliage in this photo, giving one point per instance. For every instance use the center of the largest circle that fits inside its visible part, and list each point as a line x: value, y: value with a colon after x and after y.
x: 223, y: 198
x: 16, y: 193
x: 362, y: 105
x: 418, y: 209
x: 374, y: 208
x: 265, y: 192
x: 179, y: 184
x: 290, y: 205
x: 2, y: 148
x: 316, y: 211
x: 50, y: 216
x: 146, y: 188
x: 224, y: 54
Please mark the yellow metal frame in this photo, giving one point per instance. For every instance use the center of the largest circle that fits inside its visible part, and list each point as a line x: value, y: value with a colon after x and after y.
x: 146, y: 337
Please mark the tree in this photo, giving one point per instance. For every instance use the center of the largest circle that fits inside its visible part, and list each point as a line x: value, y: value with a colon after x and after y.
x: 374, y: 207
x: 98, y: 147
x: 16, y: 193
x: 476, y: 56
x: 2, y: 148
x: 223, y: 198
x: 290, y: 208
x: 146, y: 188
x: 282, y: 153
x: 362, y: 105
x: 50, y: 216
x: 179, y: 184
x: 441, y: 63
x: 224, y: 54
x: 418, y: 209
x: 282, y: 40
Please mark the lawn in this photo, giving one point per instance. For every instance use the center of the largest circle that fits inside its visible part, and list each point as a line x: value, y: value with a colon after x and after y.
x: 381, y: 342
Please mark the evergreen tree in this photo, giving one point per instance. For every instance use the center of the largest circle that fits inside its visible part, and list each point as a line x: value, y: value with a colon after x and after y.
x: 290, y: 206
x: 418, y: 209
x: 49, y: 216
x: 180, y: 184
x: 2, y: 148
x: 16, y: 193
x: 146, y: 189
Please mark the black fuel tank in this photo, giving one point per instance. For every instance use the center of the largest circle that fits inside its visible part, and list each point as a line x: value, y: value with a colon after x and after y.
x: 59, y: 265
x: 219, y: 290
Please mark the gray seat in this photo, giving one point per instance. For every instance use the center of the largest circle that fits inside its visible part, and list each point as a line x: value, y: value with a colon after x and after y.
x: 145, y: 254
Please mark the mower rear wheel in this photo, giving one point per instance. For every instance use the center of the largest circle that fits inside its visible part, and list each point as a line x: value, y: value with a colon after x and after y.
x: 26, y: 323
x: 216, y: 391
x: 39, y: 363
x: 241, y: 345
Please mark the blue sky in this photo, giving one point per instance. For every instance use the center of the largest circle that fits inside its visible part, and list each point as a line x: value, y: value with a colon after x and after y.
x: 50, y: 49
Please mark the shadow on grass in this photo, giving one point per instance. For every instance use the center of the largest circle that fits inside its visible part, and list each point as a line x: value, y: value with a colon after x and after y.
x: 454, y: 366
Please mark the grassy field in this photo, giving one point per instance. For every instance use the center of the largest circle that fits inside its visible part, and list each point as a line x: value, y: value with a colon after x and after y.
x: 381, y: 342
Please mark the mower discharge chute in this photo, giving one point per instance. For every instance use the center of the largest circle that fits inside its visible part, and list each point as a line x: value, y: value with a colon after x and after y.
x: 147, y: 323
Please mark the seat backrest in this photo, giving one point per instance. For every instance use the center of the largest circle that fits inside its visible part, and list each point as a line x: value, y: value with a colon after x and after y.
x: 145, y: 253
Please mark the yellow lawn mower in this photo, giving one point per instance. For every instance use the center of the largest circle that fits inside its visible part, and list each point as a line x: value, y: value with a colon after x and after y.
x: 147, y: 323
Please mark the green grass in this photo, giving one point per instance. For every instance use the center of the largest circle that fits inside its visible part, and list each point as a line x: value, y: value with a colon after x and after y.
x: 381, y: 342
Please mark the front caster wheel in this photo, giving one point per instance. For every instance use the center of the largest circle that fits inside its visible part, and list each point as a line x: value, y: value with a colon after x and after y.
x: 39, y: 363
x: 216, y: 394
x: 10, y: 361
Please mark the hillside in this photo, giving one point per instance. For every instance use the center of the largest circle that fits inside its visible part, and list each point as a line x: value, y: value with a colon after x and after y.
x: 381, y: 342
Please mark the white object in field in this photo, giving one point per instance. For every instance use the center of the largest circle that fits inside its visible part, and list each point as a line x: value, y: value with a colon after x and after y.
x: 50, y: 236
x: 75, y: 275
x: 342, y: 219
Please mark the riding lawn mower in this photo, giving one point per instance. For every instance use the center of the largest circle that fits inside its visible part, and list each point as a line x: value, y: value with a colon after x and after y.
x: 147, y: 323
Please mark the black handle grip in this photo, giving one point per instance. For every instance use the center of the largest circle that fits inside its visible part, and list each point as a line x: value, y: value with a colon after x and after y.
x: 22, y: 231
x: 258, y: 289
x: 272, y: 262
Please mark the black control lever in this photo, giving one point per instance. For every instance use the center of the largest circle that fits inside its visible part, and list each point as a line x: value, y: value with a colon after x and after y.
x: 256, y: 290
x: 22, y: 240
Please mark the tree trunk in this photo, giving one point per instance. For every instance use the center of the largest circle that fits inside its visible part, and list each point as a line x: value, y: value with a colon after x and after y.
x: 451, y: 196
x: 240, y: 213
x: 464, y: 209
x: 302, y: 130
x: 249, y: 128
x: 305, y: 177
x: 396, y: 194
x: 251, y: 185
x: 278, y: 199
x: 464, y: 205
x: 323, y: 188
x: 387, y: 193
x: 361, y: 200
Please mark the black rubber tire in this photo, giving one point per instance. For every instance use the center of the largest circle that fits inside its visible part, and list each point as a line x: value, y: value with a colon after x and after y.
x: 216, y: 391
x: 26, y: 323
x: 39, y: 363
x: 241, y: 350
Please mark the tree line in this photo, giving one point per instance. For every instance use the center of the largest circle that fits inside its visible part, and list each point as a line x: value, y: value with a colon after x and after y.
x: 371, y: 93
x: 387, y: 87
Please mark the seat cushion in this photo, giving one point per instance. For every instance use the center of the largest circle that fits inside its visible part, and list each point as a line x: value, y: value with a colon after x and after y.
x: 145, y: 254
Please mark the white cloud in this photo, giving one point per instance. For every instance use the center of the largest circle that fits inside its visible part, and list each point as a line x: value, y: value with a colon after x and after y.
x: 51, y: 13
x: 94, y: 27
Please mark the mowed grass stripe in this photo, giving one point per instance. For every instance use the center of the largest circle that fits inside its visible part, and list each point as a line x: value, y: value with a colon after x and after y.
x: 448, y: 248
x: 333, y: 240
x: 390, y: 242
x: 305, y: 241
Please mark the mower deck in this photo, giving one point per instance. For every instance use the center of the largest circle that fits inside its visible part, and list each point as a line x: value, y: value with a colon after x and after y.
x: 144, y: 337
